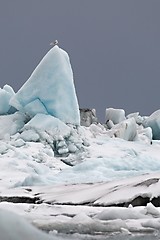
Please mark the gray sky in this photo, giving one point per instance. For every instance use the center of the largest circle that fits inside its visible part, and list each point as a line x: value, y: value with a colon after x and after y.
x: 114, y: 47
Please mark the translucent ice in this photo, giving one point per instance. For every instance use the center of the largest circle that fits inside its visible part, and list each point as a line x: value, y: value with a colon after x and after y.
x: 50, y: 89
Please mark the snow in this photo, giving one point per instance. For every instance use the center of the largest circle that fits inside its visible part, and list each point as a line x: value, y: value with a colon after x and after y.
x: 120, y: 213
x: 106, y: 172
x: 50, y: 89
x: 116, y: 192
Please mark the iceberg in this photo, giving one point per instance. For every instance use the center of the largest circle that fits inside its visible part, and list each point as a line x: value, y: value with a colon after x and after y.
x: 5, y: 95
x: 153, y: 121
x: 126, y: 130
x: 50, y: 89
x: 115, y: 115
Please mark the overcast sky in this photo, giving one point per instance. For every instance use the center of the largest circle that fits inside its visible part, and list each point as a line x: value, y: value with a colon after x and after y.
x: 114, y: 48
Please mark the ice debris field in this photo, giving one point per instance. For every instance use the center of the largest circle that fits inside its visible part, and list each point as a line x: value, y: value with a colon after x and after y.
x: 66, y: 173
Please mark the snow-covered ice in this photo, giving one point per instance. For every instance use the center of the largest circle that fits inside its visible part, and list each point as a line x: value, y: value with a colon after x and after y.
x: 96, y: 181
x: 100, y: 175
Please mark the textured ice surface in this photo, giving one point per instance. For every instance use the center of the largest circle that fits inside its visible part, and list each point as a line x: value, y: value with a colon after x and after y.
x: 50, y: 89
x: 61, y: 137
x: 50, y: 124
x: 126, y: 129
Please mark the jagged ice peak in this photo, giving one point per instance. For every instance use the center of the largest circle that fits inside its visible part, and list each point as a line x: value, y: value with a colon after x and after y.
x: 50, y: 89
